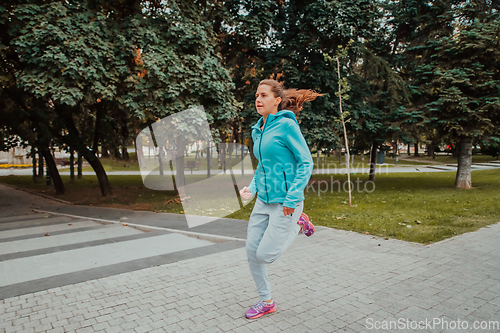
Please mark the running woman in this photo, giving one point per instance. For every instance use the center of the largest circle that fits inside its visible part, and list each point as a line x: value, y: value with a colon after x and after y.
x: 285, y: 166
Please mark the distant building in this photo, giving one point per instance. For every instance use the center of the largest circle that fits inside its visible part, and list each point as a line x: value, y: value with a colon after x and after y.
x: 16, y: 156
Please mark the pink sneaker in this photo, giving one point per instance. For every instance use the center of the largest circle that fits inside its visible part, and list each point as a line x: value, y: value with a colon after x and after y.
x: 307, y: 227
x: 259, y: 309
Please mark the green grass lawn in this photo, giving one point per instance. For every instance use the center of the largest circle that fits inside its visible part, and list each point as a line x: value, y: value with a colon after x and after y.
x: 129, y: 192
x: 417, y: 207
x: 423, y: 207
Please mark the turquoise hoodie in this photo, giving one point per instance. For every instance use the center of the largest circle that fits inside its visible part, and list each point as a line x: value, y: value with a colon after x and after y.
x: 285, y: 162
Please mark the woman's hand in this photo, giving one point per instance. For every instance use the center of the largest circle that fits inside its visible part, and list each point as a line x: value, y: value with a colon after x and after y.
x: 288, y: 211
x: 245, y: 193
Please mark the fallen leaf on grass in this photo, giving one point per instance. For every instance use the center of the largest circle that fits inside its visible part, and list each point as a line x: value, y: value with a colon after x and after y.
x: 417, y: 222
x: 124, y: 224
x: 367, y: 233
x: 179, y: 200
x: 341, y: 217
x: 47, y: 234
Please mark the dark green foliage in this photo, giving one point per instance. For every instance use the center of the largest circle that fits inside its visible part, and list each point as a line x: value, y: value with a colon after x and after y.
x: 98, y: 70
x: 93, y: 73
x: 452, y: 62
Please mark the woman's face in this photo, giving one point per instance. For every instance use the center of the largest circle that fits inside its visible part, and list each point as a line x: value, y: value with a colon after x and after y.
x: 265, y: 102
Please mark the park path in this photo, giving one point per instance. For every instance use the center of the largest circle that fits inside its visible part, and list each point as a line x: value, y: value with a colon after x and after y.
x: 334, y: 281
x: 380, y: 169
x: 46, y: 248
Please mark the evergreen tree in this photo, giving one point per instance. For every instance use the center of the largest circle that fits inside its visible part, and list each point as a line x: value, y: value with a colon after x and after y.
x: 452, y: 63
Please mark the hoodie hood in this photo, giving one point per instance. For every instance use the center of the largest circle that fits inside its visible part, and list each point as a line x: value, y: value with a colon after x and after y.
x: 273, y: 117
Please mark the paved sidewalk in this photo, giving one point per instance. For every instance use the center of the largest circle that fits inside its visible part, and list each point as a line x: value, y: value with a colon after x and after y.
x: 93, y: 244
x: 334, y: 281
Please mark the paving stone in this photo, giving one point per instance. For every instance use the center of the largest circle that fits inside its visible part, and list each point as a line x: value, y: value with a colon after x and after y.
x: 343, y: 284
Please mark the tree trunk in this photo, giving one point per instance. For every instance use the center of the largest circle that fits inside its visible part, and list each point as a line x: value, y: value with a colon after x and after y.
x: 125, y: 134
x: 104, y: 151
x: 252, y: 155
x: 179, y: 164
x: 76, y: 141
x: 415, y: 146
x: 230, y: 152
x: 463, y: 179
x: 370, y: 155
x: 454, y: 150
x: 161, y: 158
x: 219, y: 161
x: 116, y: 153
x: 33, y: 157
x: 40, y: 165
x: 100, y: 173
x: 139, y: 153
x: 97, y: 128
x: 430, y: 151
x: 409, y: 154
x: 79, y: 166
x: 373, y: 162
x: 125, y: 155
x: 72, y: 165
x: 54, y: 173
x: 242, y: 152
x: 222, y: 156
x: 209, y: 157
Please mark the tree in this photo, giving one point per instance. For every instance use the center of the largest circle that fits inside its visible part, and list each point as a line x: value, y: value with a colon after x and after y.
x: 457, y: 76
x: 96, y: 65
x: 466, y: 103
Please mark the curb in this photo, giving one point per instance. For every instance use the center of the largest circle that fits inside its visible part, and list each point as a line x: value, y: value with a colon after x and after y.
x: 207, y: 237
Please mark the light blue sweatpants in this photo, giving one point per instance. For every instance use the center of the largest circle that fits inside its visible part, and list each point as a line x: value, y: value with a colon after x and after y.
x: 269, y: 234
